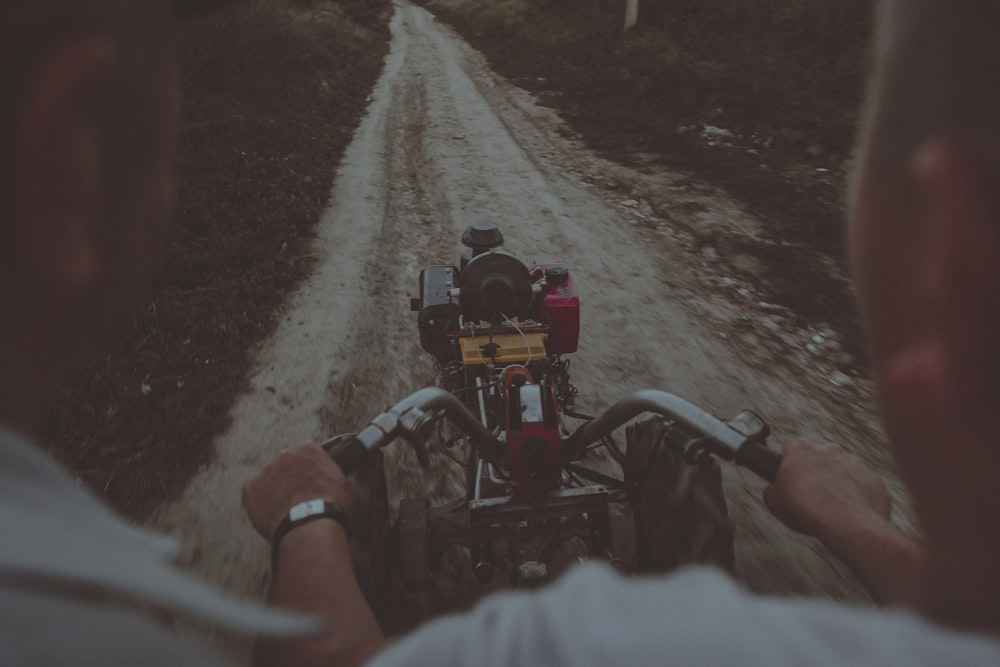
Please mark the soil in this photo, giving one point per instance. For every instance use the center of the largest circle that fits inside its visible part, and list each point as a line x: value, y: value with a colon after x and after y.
x: 274, y: 323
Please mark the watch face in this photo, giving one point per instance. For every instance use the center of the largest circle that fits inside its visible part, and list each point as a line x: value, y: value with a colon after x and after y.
x: 308, y: 508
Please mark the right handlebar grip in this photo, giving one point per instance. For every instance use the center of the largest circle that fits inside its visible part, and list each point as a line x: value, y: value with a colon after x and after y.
x: 760, y: 459
x: 348, y: 454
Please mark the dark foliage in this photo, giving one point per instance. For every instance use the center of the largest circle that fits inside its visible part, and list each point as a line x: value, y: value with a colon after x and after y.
x: 269, y: 108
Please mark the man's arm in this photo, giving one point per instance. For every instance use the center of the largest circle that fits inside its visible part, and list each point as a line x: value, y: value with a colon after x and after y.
x: 314, y: 571
x: 823, y: 491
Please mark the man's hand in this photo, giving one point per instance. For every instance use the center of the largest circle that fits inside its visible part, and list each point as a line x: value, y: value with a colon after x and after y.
x: 314, y: 573
x: 823, y: 491
x: 294, y: 476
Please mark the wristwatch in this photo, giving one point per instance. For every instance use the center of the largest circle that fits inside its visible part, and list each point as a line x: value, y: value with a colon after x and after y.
x: 304, y: 513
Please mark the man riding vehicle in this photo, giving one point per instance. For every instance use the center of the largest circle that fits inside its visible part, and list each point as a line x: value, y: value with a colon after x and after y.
x: 925, y: 247
x: 87, y: 125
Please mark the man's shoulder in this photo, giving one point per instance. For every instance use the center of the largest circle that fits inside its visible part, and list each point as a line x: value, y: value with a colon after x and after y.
x: 37, y: 628
x: 66, y: 555
x: 65, y: 573
x: 594, y: 616
x: 58, y: 529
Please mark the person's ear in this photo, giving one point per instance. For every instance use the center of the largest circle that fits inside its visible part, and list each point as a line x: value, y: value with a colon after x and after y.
x: 961, y: 215
x: 60, y: 168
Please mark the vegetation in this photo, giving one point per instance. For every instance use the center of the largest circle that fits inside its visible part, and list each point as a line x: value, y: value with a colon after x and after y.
x: 272, y: 94
x: 779, y: 80
x: 788, y: 73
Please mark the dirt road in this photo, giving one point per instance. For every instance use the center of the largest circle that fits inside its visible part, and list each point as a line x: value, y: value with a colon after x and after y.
x: 446, y: 143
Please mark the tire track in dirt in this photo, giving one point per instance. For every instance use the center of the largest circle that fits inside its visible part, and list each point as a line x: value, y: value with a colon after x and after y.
x: 447, y: 143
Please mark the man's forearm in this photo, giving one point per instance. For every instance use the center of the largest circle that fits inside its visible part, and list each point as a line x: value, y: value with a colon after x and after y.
x: 315, y: 575
x: 890, y: 564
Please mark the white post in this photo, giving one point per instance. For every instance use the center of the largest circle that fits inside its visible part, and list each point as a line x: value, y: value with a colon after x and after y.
x: 631, y: 13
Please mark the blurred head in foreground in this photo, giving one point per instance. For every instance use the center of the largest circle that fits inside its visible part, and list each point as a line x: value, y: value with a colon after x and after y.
x: 88, y: 113
x: 925, y: 246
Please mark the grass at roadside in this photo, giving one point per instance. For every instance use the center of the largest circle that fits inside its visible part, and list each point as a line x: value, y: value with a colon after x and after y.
x: 272, y: 94
x: 779, y: 80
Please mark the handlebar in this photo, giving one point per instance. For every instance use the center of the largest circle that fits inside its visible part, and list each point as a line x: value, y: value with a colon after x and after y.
x: 415, y: 415
x: 721, y: 439
x: 412, y: 418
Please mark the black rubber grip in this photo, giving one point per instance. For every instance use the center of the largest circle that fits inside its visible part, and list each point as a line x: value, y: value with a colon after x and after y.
x: 349, y: 454
x: 760, y: 459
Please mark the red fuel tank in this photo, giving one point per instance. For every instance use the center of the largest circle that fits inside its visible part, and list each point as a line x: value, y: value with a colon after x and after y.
x: 561, y: 309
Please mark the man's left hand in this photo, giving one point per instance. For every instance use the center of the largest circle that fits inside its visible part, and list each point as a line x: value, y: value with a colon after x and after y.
x: 294, y: 476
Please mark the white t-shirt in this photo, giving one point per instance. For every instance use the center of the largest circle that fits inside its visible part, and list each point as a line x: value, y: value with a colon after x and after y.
x: 80, y: 586
x: 698, y: 616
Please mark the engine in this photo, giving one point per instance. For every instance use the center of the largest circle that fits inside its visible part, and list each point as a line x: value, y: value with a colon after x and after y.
x: 497, y: 328
x: 496, y: 310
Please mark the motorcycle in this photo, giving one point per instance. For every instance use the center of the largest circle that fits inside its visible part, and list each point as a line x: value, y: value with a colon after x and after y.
x: 539, y: 494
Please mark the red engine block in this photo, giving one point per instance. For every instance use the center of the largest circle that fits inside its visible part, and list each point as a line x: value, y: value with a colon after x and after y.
x: 533, y: 440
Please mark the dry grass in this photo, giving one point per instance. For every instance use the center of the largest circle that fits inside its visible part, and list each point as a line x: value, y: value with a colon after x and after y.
x: 272, y: 94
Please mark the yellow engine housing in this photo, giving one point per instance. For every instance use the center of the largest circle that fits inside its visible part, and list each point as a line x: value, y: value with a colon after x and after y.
x: 510, y: 348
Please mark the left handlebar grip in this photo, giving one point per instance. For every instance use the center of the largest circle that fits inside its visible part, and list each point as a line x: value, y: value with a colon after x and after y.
x: 761, y: 459
x: 348, y: 454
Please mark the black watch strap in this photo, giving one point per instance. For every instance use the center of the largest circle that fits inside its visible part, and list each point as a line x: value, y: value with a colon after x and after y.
x: 304, y: 513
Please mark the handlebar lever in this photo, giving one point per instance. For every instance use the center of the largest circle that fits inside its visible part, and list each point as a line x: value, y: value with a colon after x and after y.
x: 742, y: 440
x: 412, y: 418
x: 415, y: 425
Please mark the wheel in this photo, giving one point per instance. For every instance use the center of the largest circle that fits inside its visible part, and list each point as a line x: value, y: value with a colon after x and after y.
x: 679, y: 509
x: 373, y: 547
x: 414, y: 545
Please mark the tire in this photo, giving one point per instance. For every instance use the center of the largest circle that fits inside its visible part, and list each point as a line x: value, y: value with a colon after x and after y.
x: 414, y: 545
x: 679, y: 510
x: 372, y: 549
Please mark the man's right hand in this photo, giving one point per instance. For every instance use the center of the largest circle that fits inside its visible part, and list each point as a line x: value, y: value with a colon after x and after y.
x: 826, y: 492
x: 821, y: 490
